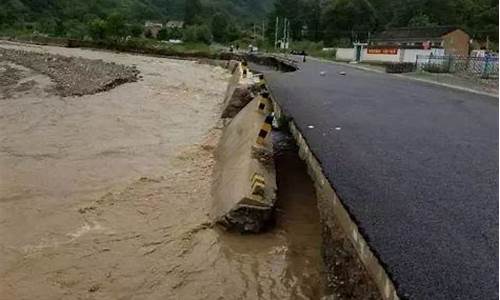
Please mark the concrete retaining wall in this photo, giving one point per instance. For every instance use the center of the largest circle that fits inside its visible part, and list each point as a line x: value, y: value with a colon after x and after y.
x: 245, y: 177
x: 333, y: 211
x: 380, y: 57
x: 410, y: 55
x: 244, y: 190
x: 403, y: 55
x: 345, y: 54
x: 240, y: 90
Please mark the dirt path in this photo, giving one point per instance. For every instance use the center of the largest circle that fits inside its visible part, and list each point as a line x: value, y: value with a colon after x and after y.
x: 106, y: 196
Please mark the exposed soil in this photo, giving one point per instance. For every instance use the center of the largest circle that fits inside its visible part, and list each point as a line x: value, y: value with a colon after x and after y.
x: 73, y: 75
x: 347, y: 278
x: 9, y: 78
x: 17, y: 81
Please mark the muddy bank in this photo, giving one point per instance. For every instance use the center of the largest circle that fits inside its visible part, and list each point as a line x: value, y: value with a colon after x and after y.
x: 19, y: 82
x: 73, y: 75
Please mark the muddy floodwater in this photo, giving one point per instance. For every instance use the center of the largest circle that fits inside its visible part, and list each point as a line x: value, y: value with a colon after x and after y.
x: 105, y: 196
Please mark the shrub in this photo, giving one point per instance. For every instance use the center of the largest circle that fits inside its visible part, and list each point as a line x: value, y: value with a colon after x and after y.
x: 307, y: 46
x: 97, y: 29
x: 136, y: 30
x: 198, y: 33
x: 400, y: 67
x: 436, y: 68
x: 329, y: 54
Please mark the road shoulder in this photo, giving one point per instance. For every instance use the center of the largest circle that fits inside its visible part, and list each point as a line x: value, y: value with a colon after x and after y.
x: 409, y: 77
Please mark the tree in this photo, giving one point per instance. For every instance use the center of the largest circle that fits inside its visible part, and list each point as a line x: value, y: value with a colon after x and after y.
x: 46, y: 25
x: 192, y: 12
x: 233, y: 32
x: 97, y: 29
x: 116, y: 26
x: 190, y: 34
x: 175, y: 33
x: 75, y: 29
x: 136, y: 30
x: 420, y: 20
x: 219, y: 27
x: 205, y: 35
x: 292, y: 11
x: 312, y: 16
x: 328, y: 20
x: 198, y: 34
x: 163, y: 34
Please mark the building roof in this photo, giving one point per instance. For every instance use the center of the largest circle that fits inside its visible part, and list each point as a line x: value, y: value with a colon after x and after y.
x: 153, y: 24
x: 174, y: 24
x: 414, y: 33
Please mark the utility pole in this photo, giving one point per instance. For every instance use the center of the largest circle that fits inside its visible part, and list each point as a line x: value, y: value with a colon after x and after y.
x: 284, y: 32
x: 263, y: 29
x: 276, y: 33
x: 288, y: 35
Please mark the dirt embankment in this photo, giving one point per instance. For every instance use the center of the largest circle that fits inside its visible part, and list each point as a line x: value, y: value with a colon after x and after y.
x: 9, y: 80
x: 74, y: 76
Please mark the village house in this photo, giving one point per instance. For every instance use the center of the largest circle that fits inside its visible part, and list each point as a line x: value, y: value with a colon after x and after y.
x: 452, y: 39
x: 152, y: 29
x: 174, y: 24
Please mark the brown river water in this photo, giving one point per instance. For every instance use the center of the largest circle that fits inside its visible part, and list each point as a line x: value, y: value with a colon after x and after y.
x: 106, y: 196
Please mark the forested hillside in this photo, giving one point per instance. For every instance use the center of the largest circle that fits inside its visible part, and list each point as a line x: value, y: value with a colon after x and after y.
x: 334, y: 22
x: 71, y: 17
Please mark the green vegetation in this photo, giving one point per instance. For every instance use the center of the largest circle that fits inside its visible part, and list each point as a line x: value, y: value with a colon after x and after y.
x: 206, y: 21
x: 338, y: 22
x: 197, y: 33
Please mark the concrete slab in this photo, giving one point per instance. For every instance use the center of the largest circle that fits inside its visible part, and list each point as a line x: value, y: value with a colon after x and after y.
x: 245, y: 178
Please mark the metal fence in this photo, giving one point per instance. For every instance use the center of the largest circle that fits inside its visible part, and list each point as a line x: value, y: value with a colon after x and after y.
x: 483, y: 67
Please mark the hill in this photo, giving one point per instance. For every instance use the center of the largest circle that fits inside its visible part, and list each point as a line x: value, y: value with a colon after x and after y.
x: 66, y: 16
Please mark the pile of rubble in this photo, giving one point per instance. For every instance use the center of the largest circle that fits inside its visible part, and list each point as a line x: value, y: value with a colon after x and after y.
x: 74, y: 76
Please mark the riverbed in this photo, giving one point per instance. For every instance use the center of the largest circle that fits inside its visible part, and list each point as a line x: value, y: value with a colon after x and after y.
x: 105, y: 196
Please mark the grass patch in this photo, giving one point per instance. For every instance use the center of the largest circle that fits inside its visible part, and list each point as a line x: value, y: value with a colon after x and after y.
x: 135, y: 45
x: 329, y: 54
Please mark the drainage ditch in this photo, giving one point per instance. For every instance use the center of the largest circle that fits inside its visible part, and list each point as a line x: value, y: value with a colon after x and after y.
x: 284, y: 261
x: 296, y: 215
x: 316, y: 248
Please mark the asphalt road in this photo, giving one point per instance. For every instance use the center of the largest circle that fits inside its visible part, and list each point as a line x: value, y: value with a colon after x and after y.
x: 416, y: 166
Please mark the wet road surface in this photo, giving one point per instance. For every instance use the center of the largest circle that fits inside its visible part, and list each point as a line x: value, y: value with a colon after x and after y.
x: 415, y: 164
